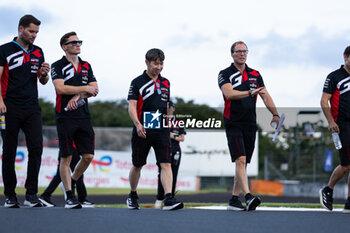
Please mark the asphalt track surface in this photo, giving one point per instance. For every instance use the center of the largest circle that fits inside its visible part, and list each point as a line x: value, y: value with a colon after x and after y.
x: 58, y: 219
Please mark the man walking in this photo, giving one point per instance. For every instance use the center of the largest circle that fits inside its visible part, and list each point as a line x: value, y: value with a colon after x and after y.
x: 45, y: 197
x: 21, y: 64
x: 74, y: 83
x: 336, y: 90
x: 148, y: 97
x: 239, y: 85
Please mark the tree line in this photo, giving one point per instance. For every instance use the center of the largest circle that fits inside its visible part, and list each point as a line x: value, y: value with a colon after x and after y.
x: 115, y: 113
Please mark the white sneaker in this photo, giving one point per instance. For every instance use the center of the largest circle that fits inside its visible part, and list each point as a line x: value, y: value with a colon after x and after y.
x: 63, y: 190
x: 158, y: 204
x: 87, y: 204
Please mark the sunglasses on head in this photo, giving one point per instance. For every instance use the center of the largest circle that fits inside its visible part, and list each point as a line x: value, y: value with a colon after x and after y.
x: 74, y: 43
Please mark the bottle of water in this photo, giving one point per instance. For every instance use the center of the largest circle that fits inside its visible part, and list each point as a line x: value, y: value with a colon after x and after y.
x: 274, y: 125
x: 2, y: 122
x: 336, y: 140
x: 176, y: 158
x: 80, y: 102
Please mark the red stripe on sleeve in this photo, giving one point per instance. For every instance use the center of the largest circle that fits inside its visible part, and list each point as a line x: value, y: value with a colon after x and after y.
x: 227, y: 110
x: 5, y: 81
x: 335, y: 104
x: 139, y: 106
x: 59, y: 103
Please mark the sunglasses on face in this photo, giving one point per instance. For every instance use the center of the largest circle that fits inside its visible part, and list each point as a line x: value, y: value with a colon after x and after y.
x: 74, y: 43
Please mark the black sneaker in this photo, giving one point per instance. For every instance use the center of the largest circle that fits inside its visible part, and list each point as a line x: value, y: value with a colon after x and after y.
x: 252, y: 202
x: 235, y: 204
x: 46, y: 200
x: 11, y: 202
x: 171, y: 203
x: 32, y: 200
x: 347, y: 207
x: 72, y: 203
x: 326, y: 198
x: 87, y: 204
x: 131, y: 202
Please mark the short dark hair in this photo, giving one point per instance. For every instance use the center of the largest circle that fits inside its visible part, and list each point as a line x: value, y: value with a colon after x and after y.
x: 28, y: 19
x: 236, y: 43
x: 154, y: 55
x: 347, y: 51
x: 65, y: 37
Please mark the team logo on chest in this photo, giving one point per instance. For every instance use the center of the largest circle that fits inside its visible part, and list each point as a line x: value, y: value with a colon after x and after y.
x: 15, y: 60
x: 68, y: 72
x: 147, y: 89
x: 344, y: 85
x: 236, y: 79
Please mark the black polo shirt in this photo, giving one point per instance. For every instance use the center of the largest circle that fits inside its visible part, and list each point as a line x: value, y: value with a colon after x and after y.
x: 19, y: 80
x: 150, y: 98
x: 63, y: 69
x: 241, y: 111
x: 338, y: 85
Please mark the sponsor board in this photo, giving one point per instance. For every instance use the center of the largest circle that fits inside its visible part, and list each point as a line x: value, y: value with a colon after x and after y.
x: 109, y: 169
x: 204, y: 153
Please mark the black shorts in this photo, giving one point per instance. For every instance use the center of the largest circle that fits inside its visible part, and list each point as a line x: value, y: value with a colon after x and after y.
x: 241, y: 141
x: 344, y: 152
x: 78, y: 130
x: 159, y: 140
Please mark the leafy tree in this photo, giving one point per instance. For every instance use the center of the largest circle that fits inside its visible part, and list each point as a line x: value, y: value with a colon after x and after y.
x: 110, y: 113
x: 115, y: 113
x: 47, y: 112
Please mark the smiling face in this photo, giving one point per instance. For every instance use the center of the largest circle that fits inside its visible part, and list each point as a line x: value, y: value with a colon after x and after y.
x: 154, y: 67
x: 239, y: 54
x: 28, y: 34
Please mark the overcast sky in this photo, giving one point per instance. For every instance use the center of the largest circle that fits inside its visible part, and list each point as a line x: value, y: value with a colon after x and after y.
x: 294, y: 44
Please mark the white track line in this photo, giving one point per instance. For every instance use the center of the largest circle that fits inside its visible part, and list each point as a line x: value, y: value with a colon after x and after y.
x: 270, y: 208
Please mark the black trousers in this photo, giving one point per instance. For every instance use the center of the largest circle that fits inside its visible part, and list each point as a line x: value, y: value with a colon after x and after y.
x: 29, y: 120
x: 56, y: 180
x: 175, y: 165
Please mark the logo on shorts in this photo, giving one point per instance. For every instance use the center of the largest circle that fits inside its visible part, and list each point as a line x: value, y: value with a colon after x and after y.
x: 151, y: 120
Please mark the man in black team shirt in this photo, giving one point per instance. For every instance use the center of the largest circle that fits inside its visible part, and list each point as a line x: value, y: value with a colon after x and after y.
x: 239, y: 85
x: 21, y: 65
x: 177, y: 135
x: 148, y: 97
x: 45, y: 197
x: 336, y: 90
x: 73, y: 80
